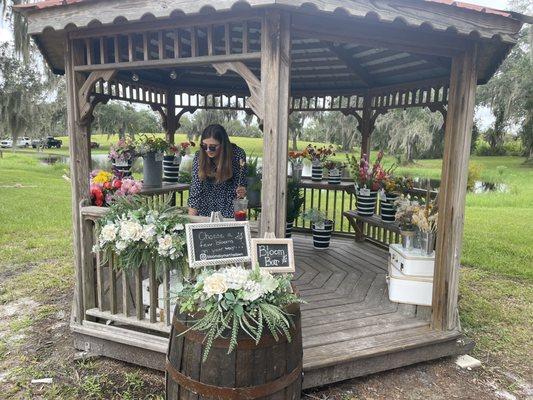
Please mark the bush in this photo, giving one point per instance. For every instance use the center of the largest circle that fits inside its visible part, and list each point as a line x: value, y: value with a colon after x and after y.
x: 474, y: 174
x: 513, y: 147
x: 483, y: 149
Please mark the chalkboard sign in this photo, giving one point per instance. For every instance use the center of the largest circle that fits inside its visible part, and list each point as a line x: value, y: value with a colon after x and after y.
x: 218, y: 243
x: 273, y: 255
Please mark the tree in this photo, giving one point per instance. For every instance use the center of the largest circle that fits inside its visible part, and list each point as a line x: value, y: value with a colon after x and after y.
x: 18, y: 25
x: 119, y: 118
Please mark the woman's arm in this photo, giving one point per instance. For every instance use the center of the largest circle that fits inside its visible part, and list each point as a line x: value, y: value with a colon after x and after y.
x: 195, y: 189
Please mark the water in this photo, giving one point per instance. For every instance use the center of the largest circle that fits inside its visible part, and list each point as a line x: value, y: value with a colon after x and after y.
x: 479, y: 187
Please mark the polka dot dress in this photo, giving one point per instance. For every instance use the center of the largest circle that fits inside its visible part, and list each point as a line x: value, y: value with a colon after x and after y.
x: 207, y: 196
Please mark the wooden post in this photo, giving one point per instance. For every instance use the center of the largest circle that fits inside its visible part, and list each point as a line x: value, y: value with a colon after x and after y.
x: 452, y: 192
x: 366, y: 125
x: 172, y: 121
x: 275, y: 82
x: 79, y: 170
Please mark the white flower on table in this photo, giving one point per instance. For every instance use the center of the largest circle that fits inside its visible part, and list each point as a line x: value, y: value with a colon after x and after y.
x: 252, y: 291
x: 148, y: 233
x: 236, y: 277
x: 108, y: 233
x: 268, y: 282
x: 215, y: 284
x: 121, y: 245
x: 165, y: 244
x: 178, y: 227
x: 130, y: 230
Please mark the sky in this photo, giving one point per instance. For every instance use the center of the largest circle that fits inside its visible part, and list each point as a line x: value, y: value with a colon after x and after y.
x: 482, y: 114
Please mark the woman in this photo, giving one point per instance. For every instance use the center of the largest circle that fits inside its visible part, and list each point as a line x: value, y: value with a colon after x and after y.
x: 218, y: 174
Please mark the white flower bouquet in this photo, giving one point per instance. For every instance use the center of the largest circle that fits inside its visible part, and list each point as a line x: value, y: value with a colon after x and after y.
x: 139, y: 232
x: 233, y: 299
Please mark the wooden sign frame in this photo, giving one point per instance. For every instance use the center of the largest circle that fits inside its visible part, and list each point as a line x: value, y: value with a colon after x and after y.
x: 189, y: 228
x: 268, y: 240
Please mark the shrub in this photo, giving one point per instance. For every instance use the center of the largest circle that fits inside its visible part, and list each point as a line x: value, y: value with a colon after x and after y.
x: 513, y: 147
x: 474, y: 174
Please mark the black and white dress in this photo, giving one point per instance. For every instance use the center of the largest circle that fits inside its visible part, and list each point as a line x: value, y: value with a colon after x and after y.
x: 208, y: 195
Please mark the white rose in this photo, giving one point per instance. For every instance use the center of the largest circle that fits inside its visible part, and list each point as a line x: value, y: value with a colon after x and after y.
x: 215, y: 284
x: 121, y: 245
x: 165, y: 243
x: 108, y: 233
x: 252, y: 291
x: 148, y: 233
x: 130, y: 230
x: 268, y: 282
x: 236, y: 277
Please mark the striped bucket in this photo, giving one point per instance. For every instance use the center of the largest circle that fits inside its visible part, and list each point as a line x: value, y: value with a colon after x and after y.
x: 366, y: 205
x: 388, y: 209
x: 334, y: 177
x: 316, y: 172
x: 288, y: 229
x: 122, y: 168
x: 171, y: 168
x: 322, y: 236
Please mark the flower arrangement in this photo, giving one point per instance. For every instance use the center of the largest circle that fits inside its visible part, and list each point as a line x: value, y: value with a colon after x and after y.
x: 151, y: 144
x: 181, y: 149
x: 315, y: 216
x: 425, y: 217
x: 123, y: 151
x: 397, y: 184
x: 235, y: 298
x: 318, y: 155
x: 405, y: 209
x: 296, y: 158
x: 106, y: 187
x: 366, y: 175
x: 138, y: 232
x: 331, y: 165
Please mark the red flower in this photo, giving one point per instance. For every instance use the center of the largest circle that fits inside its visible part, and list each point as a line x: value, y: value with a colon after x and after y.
x: 108, y: 185
x: 117, y: 183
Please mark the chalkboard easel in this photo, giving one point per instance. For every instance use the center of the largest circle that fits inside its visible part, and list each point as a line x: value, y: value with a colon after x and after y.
x: 273, y: 255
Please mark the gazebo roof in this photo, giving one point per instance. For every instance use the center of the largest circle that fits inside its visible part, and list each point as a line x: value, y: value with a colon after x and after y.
x: 318, y: 65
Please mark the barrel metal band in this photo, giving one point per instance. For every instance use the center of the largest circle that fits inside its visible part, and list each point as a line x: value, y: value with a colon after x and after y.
x: 219, y: 343
x: 240, y: 393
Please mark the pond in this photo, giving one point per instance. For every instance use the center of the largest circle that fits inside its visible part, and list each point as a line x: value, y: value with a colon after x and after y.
x: 479, y: 187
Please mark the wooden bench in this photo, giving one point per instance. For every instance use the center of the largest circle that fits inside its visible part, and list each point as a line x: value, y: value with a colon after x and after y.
x: 373, y: 228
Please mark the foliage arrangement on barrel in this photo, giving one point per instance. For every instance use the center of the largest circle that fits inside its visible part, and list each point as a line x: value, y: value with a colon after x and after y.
x: 237, y: 299
x: 139, y: 231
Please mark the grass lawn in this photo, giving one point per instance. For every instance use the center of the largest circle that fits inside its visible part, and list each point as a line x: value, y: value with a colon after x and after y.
x: 496, y: 296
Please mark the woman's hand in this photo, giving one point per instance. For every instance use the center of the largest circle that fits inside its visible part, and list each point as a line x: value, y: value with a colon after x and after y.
x: 193, y: 211
x: 241, y: 192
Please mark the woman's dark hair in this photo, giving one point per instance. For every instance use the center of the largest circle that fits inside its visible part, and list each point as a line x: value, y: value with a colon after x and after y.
x: 221, y: 170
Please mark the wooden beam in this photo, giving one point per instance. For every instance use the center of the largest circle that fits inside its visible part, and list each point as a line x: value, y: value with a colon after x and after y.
x: 181, y: 62
x: 275, y: 80
x: 352, y: 63
x: 452, y: 192
x: 79, y: 152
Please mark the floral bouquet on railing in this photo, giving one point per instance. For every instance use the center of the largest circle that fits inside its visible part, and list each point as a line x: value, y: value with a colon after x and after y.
x: 140, y: 231
x: 318, y: 155
x: 366, y: 175
x: 235, y: 298
x: 123, y: 152
x: 151, y: 144
x: 181, y: 149
x: 397, y: 184
x: 106, y: 187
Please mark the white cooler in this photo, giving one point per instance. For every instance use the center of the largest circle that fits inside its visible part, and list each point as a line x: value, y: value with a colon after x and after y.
x: 410, y: 277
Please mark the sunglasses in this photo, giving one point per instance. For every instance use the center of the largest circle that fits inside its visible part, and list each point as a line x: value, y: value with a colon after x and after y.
x: 211, y: 147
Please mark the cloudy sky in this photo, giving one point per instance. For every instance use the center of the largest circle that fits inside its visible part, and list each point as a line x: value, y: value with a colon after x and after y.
x: 483, y: 114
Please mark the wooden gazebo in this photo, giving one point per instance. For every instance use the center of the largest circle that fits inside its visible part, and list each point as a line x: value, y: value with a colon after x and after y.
x: 272, y: 57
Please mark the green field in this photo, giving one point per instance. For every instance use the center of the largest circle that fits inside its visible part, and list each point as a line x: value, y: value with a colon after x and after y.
x: 496, y: 296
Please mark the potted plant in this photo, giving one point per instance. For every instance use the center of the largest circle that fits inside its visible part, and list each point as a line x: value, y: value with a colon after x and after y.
x: 122, y: 155
x: 253, y: 191
x: 320, y: 226
x: 295, y: 201
x: 105, y: 187
x: 172, y: 160
x: 405, y: 209
x: 151, y: 148
x: 368, y: 180
x: 317, y: 156
x: 334, y: 171
x: 393, y: 186
x: 426, y: 218
x: 137, y: 233
x: 296, y: 158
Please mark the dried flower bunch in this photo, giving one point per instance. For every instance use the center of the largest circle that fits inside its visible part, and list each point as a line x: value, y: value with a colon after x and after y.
x: 426, y: 217
x: 405, y: 209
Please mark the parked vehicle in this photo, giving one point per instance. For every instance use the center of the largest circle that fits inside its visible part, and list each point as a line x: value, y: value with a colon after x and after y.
x: 6, y: 143
x: 51, y: 141
x: 24, y: 141
x: 36, y: 143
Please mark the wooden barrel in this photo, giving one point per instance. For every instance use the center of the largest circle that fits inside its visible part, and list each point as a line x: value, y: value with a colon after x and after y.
x: 269, y: 370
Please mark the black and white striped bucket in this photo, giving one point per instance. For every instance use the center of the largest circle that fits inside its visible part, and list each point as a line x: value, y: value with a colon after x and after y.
x: 122, y: 169
x: 322, y: 236
x: 388, y: 209
x: 288, y: 229
x: 366, y: 204
x: 171, y: 169
x: 334, y: 177
x: 316, y: 172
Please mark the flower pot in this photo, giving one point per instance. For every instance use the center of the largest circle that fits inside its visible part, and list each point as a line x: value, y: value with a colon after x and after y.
x: 297, y: 173
x: 322, y: 234
x: 427, y: 242
x: 171, y: 168
x: 366, y: 202
x: 288, y: 229
x: 408, y: 238
x: 122, y: 168
x: 152, y: 170
x: 387, y: 208
x: 334, y: 177
x: 316, y: 171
